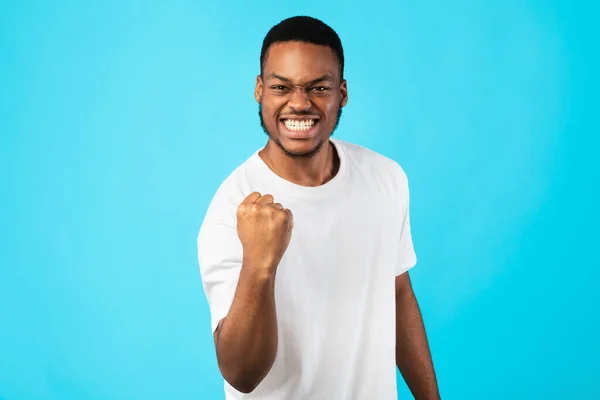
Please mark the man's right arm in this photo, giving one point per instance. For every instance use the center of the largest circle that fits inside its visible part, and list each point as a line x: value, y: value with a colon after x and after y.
x: 246, y: 339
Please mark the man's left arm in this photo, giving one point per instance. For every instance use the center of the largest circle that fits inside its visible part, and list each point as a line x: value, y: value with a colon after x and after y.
x: 413, y: 357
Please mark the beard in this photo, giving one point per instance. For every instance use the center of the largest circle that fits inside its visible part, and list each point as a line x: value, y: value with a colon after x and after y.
x: 308, y: 154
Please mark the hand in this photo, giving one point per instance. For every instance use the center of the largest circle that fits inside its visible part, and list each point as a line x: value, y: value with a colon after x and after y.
x: 265, y: 229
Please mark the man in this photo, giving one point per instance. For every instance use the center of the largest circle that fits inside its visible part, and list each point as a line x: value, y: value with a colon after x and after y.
x: 305, y: 247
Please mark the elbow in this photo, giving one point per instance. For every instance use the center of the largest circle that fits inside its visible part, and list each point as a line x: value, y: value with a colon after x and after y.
x: 243, y: 378
x: 244, y: 374
x: 245, y: 387
x: 244, y: 383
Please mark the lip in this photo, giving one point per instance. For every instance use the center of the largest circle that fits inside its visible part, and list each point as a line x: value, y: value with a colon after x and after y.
x: 299, y: 117
x: 299, y: 135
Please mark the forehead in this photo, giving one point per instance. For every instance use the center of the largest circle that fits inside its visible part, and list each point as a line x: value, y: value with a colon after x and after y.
x: 300, y: 61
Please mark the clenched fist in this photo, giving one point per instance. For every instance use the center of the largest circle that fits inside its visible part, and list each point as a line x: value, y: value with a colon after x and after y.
x: 265, y: 229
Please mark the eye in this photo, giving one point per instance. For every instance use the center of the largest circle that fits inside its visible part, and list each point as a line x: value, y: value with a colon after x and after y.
x: 278, y: 87
x: 319, y: 89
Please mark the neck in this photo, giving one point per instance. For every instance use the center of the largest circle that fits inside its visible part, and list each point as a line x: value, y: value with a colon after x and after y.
x: 314, y: 171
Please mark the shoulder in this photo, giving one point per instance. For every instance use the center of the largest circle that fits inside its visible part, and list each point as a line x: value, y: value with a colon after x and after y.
x: 230, y: 193
x: 373, y: 164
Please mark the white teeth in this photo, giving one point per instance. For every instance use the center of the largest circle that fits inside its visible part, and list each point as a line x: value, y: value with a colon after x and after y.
x: 295, y: 125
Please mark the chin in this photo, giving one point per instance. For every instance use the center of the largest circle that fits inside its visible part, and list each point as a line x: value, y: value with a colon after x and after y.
x: 300, y: 149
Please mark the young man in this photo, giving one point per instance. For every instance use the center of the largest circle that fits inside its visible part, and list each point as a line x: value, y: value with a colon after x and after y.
x: 305, y: 248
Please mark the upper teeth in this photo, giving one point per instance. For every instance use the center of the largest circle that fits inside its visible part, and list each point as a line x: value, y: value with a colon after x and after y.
x: 295, y: 125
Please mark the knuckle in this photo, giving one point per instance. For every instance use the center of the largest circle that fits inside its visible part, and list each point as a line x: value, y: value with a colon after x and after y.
x: 282, y: 216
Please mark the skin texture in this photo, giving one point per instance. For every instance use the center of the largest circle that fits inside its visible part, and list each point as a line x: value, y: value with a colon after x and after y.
x: 299, y: 81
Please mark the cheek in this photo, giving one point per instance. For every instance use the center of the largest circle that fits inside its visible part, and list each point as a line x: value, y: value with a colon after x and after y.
x: 270, y: 119
x: 331, y: 111
x: 267, y: 112
x: 271, y: 107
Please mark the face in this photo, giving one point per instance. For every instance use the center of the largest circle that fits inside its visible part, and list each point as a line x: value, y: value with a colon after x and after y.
x: 301, y: 95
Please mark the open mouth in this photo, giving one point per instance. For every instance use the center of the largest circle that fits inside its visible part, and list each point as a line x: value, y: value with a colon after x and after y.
x: 299, y: 125
x: 299, y: 128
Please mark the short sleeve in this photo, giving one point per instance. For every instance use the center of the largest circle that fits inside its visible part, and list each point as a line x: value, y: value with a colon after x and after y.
x: 220, y: 259
x: 407, y: 257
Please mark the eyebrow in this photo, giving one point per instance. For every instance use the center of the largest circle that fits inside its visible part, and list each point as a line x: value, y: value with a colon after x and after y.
x: 325, y: 77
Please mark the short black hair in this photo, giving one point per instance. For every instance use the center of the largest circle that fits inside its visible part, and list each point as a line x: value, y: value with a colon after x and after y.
x: 303, y: 29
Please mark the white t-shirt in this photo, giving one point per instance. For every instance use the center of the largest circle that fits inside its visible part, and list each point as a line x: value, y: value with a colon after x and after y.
x: 334, y: 287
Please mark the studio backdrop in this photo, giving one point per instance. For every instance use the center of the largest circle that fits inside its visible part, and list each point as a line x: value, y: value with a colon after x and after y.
x: 119, y: 120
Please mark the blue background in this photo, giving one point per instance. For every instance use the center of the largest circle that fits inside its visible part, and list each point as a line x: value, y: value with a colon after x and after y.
x: 120, y: 119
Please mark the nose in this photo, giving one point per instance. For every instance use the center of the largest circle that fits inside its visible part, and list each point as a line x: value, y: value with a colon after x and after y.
x: 299, y: 100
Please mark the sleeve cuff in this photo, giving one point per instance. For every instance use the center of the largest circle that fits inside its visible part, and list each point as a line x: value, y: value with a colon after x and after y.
x: 405, y: 266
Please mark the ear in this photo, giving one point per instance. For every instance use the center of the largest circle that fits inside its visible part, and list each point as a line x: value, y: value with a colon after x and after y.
x: 344, y: 93
x: 258, y: 89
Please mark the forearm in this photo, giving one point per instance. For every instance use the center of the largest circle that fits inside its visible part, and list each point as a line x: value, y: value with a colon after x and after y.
x: 413, y: 356
x: 246, y: 341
